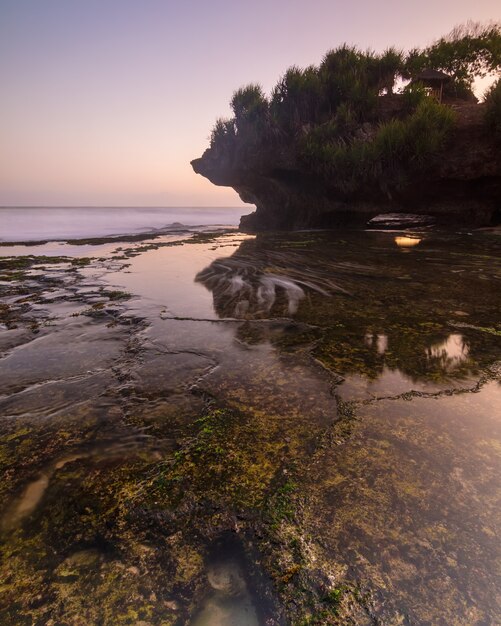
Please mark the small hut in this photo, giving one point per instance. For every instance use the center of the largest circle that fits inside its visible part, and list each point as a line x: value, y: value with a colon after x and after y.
x: 433, y: 82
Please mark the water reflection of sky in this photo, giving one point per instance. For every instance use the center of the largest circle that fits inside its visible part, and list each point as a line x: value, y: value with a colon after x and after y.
x: 380, y: 342
x: 451, y: 352
x: 165, y: 277
x: 404, y: 241
x: 445, y: 356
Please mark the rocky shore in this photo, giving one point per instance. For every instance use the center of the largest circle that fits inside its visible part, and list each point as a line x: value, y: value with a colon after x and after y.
x: 297, y: 428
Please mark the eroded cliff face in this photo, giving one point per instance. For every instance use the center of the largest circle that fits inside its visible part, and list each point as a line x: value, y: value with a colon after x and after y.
x: 461, y: 187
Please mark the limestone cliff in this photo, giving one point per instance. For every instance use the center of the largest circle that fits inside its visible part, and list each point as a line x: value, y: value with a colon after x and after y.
x: 461, y: 185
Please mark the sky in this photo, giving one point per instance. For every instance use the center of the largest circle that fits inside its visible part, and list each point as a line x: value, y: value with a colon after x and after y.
x: 105, y: 102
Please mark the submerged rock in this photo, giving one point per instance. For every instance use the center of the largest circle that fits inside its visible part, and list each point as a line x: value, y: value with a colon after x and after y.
x: 231, y: 603
x: 226, y: 578
x: 227, y: 612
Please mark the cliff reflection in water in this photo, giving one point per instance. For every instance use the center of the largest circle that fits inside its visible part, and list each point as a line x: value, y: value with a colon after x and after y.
x: 362, y: 306
x: 245, y: 287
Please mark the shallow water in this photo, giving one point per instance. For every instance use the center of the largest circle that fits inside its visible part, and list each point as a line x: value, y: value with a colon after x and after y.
x: 331, y: 400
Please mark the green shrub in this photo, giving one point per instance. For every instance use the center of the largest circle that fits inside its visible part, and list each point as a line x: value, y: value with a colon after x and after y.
x: 297, y: 99
x: 427, y: 130
x: 492, y: 98
x: 250, y: 108
x: 412, y: 96
x: 459, y: 90
x: 223, y: 134
x: 349, y: 75
x: 398, y: 148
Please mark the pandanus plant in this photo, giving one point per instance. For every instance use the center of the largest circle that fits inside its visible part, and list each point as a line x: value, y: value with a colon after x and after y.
x: 297, y: 99
x: 250, y: 108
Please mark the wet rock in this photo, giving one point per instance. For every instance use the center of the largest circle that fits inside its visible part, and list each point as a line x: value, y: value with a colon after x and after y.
x: 82, y: 558
x: 396, y: 221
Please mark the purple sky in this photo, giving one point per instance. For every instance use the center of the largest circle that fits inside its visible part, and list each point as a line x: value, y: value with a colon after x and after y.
x: 105, y: 102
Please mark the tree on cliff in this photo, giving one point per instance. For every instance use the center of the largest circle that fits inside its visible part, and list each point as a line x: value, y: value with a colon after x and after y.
x: 250, y: 108
x: 492, y: 100
x: 346, y: 75
x: 469, y: 51
x: 297, y: 99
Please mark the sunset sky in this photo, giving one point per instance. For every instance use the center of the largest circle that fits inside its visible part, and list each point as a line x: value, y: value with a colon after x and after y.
x: 105, y: 102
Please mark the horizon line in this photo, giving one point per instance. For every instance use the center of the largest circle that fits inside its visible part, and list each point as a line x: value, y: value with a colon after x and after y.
x: 118, y: 206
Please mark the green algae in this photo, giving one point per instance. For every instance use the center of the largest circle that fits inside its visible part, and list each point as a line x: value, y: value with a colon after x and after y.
x: 482, y: 329
x: 116, y: 294
x: 26, y: 262
x: 154, y: 244
x: 73, y: 551
x: 219, y: 462
x: 382, y: 492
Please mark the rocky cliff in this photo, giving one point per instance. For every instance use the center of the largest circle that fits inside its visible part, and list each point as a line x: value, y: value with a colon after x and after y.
x: 462, y: 184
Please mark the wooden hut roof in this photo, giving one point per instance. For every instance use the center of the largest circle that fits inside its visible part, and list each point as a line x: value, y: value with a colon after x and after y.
x: 430, y: 75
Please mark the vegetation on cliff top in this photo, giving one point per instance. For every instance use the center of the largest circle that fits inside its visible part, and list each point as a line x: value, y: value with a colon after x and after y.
x: 334, y: 123
x: 493, y: 112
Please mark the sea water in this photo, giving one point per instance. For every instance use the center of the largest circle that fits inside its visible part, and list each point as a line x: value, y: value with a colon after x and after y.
x: 63, y: 223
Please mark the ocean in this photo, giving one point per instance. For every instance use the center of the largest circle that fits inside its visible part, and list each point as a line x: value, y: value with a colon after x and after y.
x: 63, y: 223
